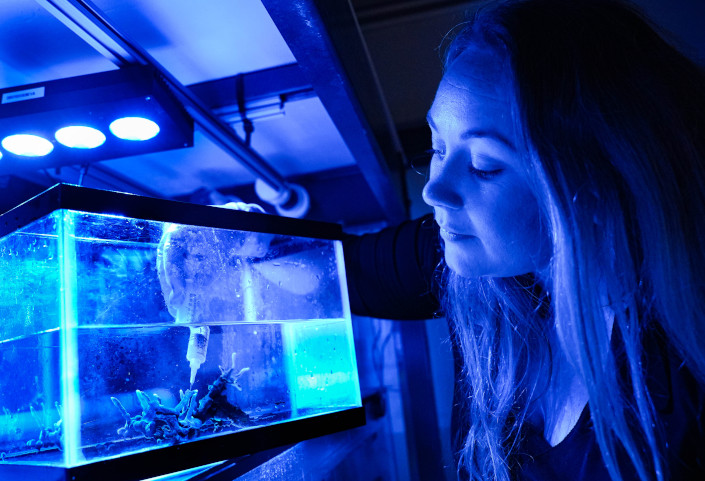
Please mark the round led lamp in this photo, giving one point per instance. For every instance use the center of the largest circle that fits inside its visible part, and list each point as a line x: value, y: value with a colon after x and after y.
x: 134, y: 128
x: 27, y: 145
x: 80, y: 137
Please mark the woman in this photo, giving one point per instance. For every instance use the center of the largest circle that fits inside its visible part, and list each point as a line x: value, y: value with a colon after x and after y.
x: 568, y: 182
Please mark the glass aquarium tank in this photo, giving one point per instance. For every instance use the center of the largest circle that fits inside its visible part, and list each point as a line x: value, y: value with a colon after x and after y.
x: 143, y: 336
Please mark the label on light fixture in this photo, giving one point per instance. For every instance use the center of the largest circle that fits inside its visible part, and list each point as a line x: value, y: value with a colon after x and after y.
x: 20, y: 95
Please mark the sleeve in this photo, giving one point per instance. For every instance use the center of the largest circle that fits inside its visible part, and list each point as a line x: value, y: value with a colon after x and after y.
x: 390, y: 273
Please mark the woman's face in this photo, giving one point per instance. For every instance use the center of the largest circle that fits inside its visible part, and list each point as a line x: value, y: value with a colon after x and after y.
x: 488, y: 216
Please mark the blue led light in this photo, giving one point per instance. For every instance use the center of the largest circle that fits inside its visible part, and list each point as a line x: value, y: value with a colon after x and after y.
x: 27, y: 145
x: 134, y: 128
x: 80, y: 137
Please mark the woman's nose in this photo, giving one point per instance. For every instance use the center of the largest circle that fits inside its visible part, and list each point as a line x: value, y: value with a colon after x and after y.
x: 442, y: 187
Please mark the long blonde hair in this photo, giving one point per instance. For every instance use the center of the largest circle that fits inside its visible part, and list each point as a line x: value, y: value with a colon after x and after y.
x: 614, y: 122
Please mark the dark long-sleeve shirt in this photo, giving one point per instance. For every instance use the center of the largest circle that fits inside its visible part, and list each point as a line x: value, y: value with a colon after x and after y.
x: 390, y: 272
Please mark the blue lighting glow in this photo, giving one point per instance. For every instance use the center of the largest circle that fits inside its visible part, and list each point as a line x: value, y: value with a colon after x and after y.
x: 80, y: 137
x: 95, y: 340
x: 134, y: 128
x: 27, y: 145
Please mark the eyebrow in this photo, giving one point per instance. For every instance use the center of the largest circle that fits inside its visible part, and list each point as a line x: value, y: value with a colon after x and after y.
x: 477, y: 134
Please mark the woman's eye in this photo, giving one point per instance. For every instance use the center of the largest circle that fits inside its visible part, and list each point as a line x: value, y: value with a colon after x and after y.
x: 484, y: 174
x: 484, y: 167
x: 481, y: 173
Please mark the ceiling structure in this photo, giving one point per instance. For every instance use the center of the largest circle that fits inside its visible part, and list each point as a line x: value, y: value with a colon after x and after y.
x: 338, y: 92
x: 314, y: 130
x: 193, y: 41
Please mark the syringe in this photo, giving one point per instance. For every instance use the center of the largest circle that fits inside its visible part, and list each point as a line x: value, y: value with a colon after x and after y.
x: 197, y: 348
x: 198, y: 335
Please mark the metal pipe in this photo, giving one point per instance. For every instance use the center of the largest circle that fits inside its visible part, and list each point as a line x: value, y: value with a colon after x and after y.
x: 87, y: 21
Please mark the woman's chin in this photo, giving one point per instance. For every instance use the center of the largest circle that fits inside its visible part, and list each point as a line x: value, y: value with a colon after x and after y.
x: 462, y: 266
x: 470, y: 267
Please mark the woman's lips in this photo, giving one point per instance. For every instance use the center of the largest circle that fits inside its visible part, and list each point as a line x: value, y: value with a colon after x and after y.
x: 451, y: 235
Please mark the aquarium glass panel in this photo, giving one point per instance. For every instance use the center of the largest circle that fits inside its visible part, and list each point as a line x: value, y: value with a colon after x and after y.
x: 123, y: 335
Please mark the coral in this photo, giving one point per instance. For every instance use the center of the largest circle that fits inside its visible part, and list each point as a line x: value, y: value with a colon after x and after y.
x: 49, y: 437
x: 188, y: 419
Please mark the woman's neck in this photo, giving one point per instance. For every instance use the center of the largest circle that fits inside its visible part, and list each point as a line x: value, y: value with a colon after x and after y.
x: 563, y: 403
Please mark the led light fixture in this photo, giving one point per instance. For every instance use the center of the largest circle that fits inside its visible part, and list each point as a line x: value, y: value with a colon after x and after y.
x: 27, y: 145
x: 80, y: 137
x: 134, y: 128
x: 85, y: 119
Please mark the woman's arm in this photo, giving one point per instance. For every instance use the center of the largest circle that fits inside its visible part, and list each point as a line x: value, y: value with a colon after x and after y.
x: 390, y: 272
